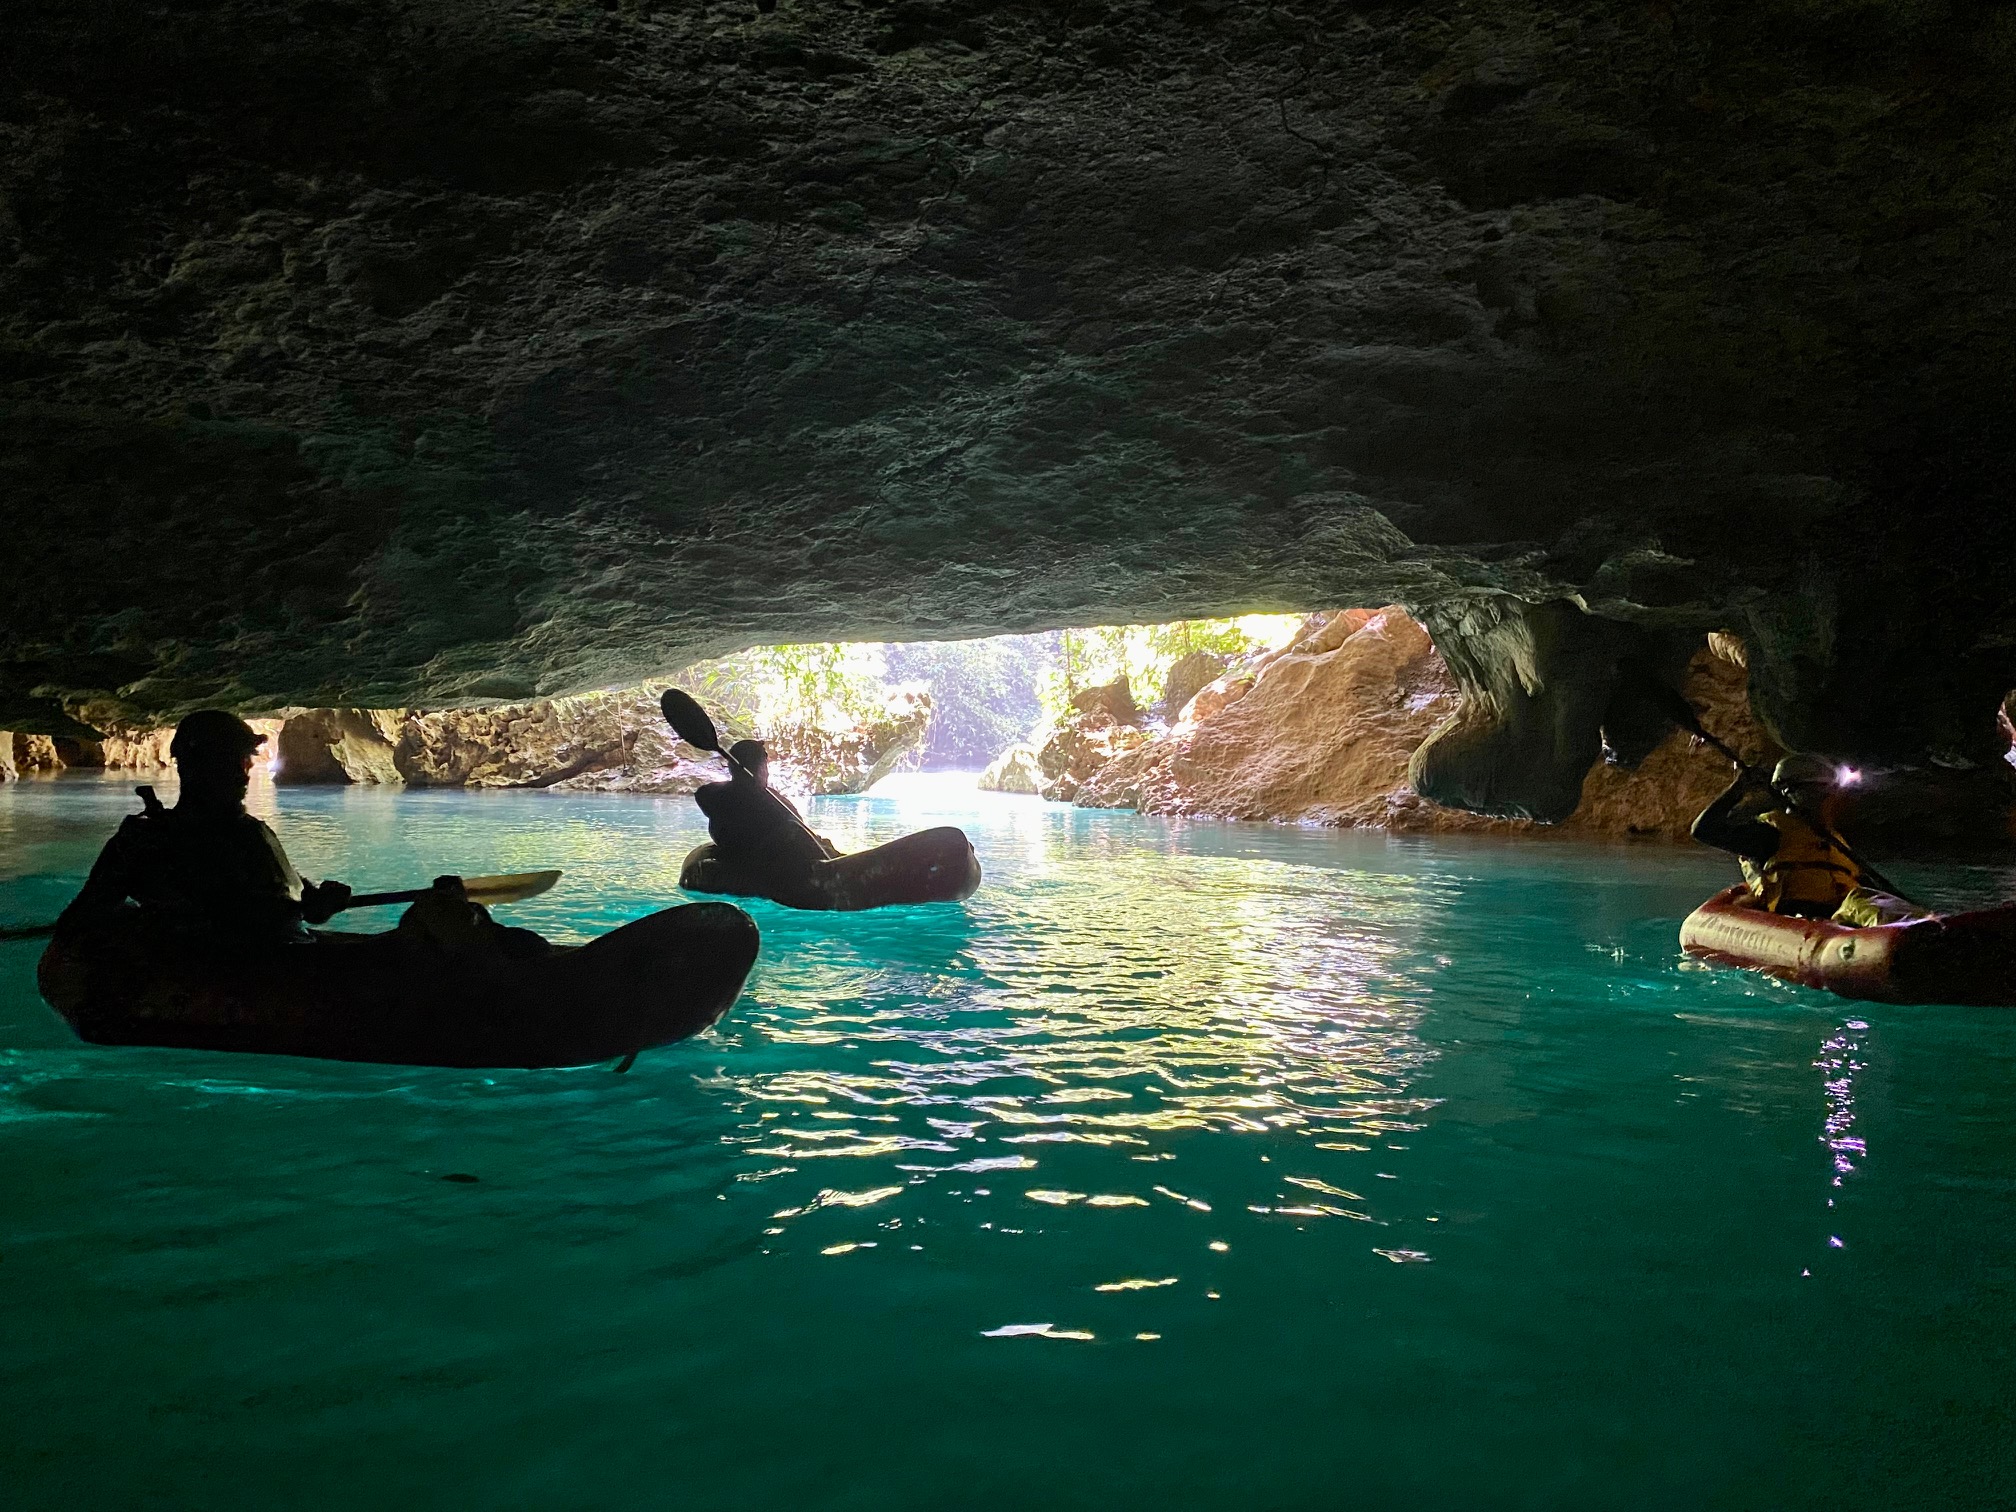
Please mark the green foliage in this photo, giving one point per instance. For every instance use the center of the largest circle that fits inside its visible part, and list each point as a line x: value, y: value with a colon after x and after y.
x: 1093, y: 657
x: 983, y: 693
x: 833, y: 685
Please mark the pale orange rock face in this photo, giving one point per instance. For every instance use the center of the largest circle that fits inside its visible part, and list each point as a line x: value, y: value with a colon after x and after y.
x: 1661, y: 796
x: 1322, y: 732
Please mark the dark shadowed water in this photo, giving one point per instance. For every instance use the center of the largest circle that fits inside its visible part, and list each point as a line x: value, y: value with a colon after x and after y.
x: 1187, y: 1166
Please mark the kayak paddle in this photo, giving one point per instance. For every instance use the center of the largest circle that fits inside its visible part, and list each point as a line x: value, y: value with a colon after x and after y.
x: 510, y: 887
x: 690, y: 723
x: 1682, y: 713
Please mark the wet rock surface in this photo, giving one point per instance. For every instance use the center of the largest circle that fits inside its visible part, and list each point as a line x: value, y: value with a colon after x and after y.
x: 1328, y: 726
x: 1013, y: 771
x: 437, y: 352
x: 1100, y: 724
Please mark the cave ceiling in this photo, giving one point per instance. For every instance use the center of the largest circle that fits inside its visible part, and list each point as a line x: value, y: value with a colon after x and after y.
x: 368, y: 352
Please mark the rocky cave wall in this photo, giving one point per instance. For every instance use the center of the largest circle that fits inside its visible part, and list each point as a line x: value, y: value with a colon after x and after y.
x: 430, y: 352
x: 1328, y: 730
x: 613, y: 742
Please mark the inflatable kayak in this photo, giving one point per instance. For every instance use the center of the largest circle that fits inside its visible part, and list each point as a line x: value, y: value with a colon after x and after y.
x: 389, y: 999
x: 931, y: 866
x: 1953, y: 958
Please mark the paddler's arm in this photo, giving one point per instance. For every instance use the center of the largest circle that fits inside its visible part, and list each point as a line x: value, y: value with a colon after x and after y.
x: 111, y: 879
x: 318, y: 904
x: 1752, y: 839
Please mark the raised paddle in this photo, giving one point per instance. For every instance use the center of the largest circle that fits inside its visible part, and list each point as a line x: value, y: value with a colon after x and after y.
x: 690, y: 723
x: 1682, y: 713
x: 511, y: 887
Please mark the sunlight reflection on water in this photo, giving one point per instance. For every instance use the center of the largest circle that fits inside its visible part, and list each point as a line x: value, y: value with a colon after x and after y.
x: 1423, y: 1149
x: 1246, y: 1001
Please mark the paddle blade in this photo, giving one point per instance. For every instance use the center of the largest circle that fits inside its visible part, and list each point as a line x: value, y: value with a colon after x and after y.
x: 512, y: 887
x: 688, y: 720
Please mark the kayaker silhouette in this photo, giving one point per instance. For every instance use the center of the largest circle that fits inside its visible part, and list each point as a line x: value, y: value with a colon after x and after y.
x: 1783, y: 832
x: 762, y: 847
x: 206, y: 874
x: 755, y: 828
x: 206, y: 871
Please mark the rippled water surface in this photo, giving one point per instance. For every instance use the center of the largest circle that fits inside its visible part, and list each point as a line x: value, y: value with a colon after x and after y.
x: 1187, y: 1165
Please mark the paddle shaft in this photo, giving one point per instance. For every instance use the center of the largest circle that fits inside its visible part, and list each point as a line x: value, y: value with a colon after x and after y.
x: 510, y: 888
x: 1692, y: 724
x: 775, y: 797
x: 374, y: 900
x: 690, y: 723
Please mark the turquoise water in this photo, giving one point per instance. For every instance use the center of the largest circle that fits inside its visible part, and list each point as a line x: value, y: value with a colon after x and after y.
x: 1189, y: 1165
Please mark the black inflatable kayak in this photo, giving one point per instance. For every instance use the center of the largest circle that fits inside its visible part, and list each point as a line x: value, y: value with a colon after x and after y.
x: 931, y: 866
x: 388, y: 999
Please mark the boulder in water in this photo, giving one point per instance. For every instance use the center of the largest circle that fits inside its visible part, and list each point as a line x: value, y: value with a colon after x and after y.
x: 1013, y: 771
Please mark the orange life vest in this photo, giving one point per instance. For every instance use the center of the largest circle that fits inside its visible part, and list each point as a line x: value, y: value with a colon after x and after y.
x: 1810, y: 872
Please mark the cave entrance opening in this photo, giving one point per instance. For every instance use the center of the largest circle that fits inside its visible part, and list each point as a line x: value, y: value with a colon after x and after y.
x: 971, y: 700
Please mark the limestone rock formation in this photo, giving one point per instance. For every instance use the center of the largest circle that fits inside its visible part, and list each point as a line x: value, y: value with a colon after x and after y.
x: 817, y: 760
x: 1187, y: 676
x: 1326, y: 730
x: 30, y: 755
x: 121, y: 749
x: 1100, y: 724
x: 1013, y: 771
x: 608, y: 742
x: 385, y: 354
x: 338, y: 745
x: 129, y: 750
x: 1321, y: 735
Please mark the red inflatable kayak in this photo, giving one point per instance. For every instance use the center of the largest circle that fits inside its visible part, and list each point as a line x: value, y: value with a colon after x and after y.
x: 1953, y: 958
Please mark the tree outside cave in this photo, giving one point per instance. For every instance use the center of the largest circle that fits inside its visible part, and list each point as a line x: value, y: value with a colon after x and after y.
x: 986, y: 694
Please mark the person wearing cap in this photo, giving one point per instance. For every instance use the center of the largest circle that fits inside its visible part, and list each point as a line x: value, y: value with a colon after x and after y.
x: 1783, y: 834
x: 753, y: 826
x: 205, y: 871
